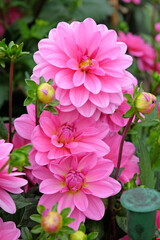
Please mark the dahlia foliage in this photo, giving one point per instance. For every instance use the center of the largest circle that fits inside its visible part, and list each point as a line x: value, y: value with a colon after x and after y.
x: 76, y: 145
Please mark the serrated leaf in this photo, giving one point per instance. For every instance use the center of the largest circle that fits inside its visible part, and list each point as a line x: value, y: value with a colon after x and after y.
x: 51, y: 109
x: 40, y: 209
x: 65, y: 212
x: 20, y: 201
x: 36, y: 218
x: 146, y: 173
x: 129, y: 97
x: 27, y: 148
x: 31, y: 83
x: 37, y: 229
x: 92, y: 235
x: 26, y: 234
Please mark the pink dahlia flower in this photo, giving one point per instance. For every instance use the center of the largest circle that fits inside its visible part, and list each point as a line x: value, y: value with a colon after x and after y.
x: 129, y: 161
x: 8, y: 182
x: 78, y: 182
x: 8, y: 231
x: 88, y: 65
x: 66, y: 134
x: 157, y: 26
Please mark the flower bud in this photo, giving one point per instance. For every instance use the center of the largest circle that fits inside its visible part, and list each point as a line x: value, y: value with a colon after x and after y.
x: 159, y: 110
x: 45, y: 93
x: 51, y: 222
x: 145, y: 102
x: 78, y: 235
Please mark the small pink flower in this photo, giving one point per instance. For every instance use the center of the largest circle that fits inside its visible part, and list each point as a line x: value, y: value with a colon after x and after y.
x: 129, y: 160
x: 134, y: 1
x: 158, y: 220
x: 157, y: 26
x: 157, y: 38
x: 8, y: 182
x: 78, y: 182
x: 8, y: 231
x: 65, y: 134
x: 87, y: 64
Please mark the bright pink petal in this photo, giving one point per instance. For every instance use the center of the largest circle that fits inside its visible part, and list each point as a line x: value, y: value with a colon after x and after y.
x: 64, y: 79
x: 87, y: 110
x: 100, y: 100
x: 50, y: 186
x: 41, y: 158
x: 92, y: 83
x: 79, y: 96
x: 72, y: 64
x: 78, y: 78
x: 42, y: 173
x: 66, y: 201
x: 49, y: 200
x: 96, y: 209
x: 80, y: 201
x: 47, y: 125
x: 6, y: 202
x: 79, y: 217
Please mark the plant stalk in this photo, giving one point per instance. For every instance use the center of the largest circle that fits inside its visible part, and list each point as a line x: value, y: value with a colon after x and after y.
x: 10, y: 99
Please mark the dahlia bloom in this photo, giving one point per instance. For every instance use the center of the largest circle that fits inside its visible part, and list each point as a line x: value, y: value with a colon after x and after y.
x: 87, y: 61
x: 78, y: 182
x: 157, y: 27
x: 65, y: 134
x: 137, y: 47
x: 8, y: 182
x: 129, y: 162
x: 8, y: 230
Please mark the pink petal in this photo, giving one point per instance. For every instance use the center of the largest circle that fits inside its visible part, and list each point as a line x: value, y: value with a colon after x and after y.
x: 55, y: 153
x: 79, y: 96
x: 41, y: 158
x: 24, y: 126
x: 78, y: 78
x: 79, y: 217
x: 64, y: 79
x: 80, y: 201
x: 63, y: 96
x: 94, y: 43
x: 6, y: 202
x: 40, y: 141
x: 5, y: 149
x: 110, y: 85
x: 70, y: 48
x: 96, y: 209
x: 42, y: 173
x: 66, y: 201
x: 87, y: 162
x: 100, y: 100
x: 49, y: 200
x: 47, y: 125
x: 50, y: 186
x: 92, y: 83
x: 72, y: 64
x: 87, y: 110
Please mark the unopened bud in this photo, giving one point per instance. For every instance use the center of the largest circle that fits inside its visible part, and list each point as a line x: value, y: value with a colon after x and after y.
x: 52, y: 222
x: 45, y: 93
x: 145, y: 102
x: 78, y: 235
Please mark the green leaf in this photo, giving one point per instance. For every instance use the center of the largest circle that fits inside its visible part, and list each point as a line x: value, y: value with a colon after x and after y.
x: 92, y: 235
x: 54, y: 103
x: 42, y: 80
x: 129, y: 97
x: 28, y: 101
x: 67, y: 221
x: 129, y: 113
x: 82, y: 227
x: 146, y: 173
x: 131, y: 183
x: 51, y: 109
x: 54, y: 208
x: 65, y: 212
x: 26, y: 234
x: 50, y: 81
x: 24, y: 30
x: 67, y: 230
x: 122, y: 223
x: 40, y: 209
x: 31, y: 83
x: 36, y: 218
x: 37, y: 229
x: 3, y: 131
x: 20, y: 201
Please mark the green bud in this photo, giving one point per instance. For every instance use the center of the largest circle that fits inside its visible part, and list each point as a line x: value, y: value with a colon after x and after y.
x: 78, y: 235
x: 45, y: 93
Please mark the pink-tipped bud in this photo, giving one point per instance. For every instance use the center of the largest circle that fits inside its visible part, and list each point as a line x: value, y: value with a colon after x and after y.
x: 145, y: 102
x: 51, y: 222
x: 78, y: 235
x: 159, y: 110
x: 45, y: 93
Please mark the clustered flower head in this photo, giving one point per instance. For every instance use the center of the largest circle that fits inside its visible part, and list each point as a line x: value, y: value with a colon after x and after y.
x: 138, y: 48
x: 88, y: 65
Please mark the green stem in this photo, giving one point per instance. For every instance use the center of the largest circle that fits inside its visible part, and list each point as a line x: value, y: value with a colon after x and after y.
x: 10, y: 99
x: 121, y: 146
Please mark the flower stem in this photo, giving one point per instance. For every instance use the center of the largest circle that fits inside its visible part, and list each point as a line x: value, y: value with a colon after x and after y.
x: 121, y: 146
x: 10, y: 100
